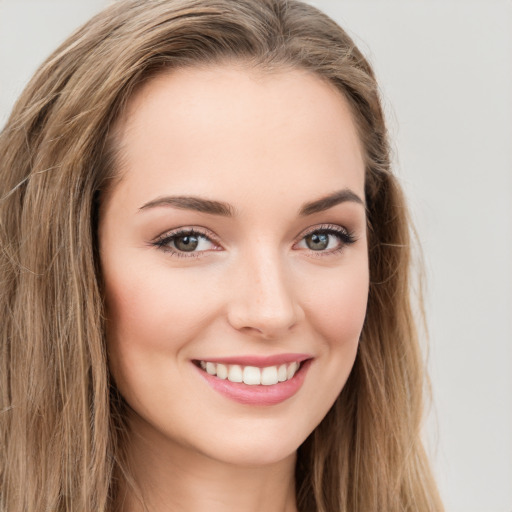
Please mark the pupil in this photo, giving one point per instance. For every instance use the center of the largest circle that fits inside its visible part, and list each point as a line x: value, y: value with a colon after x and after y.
x: 317, y: 242
x: 186, y: 243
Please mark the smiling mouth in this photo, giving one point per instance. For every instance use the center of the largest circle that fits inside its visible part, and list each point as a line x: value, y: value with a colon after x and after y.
x: 251, y: 375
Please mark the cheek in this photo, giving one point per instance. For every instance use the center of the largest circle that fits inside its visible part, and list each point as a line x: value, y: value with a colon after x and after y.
x: 153, y: 302
x: 150, y: 314
x: 336, y: 311
x: 151, y: 319
x: 339, y: 305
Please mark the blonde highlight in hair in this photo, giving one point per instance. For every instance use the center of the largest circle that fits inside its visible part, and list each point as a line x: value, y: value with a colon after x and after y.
x: 61, y: 420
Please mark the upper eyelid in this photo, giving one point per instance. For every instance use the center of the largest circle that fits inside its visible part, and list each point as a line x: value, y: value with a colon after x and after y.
x: 209, y: 234
x: 323, y: 227
x: 336, y: 228
x: 187, y: 229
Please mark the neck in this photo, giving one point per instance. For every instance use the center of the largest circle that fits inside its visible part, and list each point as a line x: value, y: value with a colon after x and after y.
x: 168, y: 477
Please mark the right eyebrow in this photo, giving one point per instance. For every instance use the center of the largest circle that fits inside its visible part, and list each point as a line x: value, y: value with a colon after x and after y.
x: 198, y: 204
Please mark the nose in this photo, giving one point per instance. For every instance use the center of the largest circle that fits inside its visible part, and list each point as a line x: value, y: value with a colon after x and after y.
x: 262, y: 300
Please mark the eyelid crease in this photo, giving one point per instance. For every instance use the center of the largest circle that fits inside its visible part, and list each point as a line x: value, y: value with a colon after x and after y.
x: 186, y: 230
x: 331, y: 228
x: 325, y: 227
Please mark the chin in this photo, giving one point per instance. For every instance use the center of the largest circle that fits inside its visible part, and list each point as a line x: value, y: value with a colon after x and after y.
x: 260, y: 444
x: 259, y: 454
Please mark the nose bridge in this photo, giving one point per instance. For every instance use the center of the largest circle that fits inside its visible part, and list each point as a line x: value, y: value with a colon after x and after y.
x: 264, y: 300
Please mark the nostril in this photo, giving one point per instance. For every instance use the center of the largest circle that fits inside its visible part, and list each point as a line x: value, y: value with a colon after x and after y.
x: 267, y: 324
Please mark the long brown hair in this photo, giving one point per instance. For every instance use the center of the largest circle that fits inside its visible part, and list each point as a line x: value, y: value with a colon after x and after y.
x: 61, y: 422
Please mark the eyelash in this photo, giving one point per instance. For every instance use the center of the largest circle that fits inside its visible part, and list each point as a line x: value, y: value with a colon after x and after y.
x: 164, y: 240
x: 344, y: 236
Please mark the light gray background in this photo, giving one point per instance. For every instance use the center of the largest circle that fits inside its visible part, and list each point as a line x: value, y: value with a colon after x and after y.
x: 445, y: 68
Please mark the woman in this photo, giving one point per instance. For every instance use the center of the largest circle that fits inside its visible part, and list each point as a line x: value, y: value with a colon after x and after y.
x: 205, y: 268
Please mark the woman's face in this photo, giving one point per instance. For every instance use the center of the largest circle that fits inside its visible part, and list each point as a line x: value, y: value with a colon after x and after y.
x: 234, y: 248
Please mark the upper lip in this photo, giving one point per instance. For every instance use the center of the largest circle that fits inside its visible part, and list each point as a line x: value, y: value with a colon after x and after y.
x: 259, y: 361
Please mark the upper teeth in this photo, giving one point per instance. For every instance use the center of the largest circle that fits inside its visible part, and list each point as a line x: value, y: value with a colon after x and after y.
x: 251, y: 375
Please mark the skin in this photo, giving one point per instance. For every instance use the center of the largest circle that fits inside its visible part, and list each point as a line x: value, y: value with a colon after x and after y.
x: 266, y: 144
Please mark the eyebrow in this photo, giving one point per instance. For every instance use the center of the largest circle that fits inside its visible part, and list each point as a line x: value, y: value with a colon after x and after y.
x: 211, y: 207
x: 324, y: 203
x: 192, y: 203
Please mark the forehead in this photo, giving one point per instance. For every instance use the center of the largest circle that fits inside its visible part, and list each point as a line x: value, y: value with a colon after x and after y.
x: 226, y: 128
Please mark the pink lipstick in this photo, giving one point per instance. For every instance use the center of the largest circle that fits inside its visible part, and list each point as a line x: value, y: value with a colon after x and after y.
x: 256, y: 380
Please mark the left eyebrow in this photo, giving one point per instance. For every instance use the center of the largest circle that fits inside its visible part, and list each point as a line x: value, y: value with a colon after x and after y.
x: 329, y: 201
x: 192, y: 203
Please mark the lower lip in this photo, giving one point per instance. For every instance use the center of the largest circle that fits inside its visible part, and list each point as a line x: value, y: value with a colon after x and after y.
x: 259, y: 394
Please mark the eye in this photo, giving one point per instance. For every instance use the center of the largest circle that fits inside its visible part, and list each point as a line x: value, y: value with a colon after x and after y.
x: 329, y: 239
x: 186, y: 243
